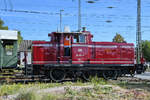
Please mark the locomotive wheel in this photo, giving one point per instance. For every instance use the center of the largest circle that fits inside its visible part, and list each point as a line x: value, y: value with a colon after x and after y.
x: 110, y: 74
x: 124, y: 72
x: 132, y: 73
x: 57, y: 75
x: 120, y: 73
x: 139, y: 72
x: 86, y: 75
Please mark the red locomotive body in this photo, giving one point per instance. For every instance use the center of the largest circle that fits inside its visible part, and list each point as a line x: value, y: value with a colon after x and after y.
x: 84, y: 57
x: 113, y: 53
x: 43, y: 52
x: 86, y: 52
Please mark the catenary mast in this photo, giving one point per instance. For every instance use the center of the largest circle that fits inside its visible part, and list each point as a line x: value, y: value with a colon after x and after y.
x: 138, y: 33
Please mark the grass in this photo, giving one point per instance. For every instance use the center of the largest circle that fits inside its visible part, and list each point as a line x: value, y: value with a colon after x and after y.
x: 7, y: 89
x: 99, y: 92
x: 148, y: 70
x: 135, y: 85
x: 28, y: 95
x: 95, y: 93
x: 32, y: 95
x: 101, y: 89
x: 51, y: 97
x: 98, y: 81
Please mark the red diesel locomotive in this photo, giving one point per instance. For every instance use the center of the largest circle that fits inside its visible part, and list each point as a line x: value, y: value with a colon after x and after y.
x: 81, y: 57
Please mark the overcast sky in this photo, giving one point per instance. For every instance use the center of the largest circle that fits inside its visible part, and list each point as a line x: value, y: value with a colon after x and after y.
x: 104, y: 18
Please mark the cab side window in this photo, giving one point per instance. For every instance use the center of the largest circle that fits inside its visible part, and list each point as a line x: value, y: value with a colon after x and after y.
x: 82, y: 38
x: 50, y: 38
x: 75, y: 39
x: 79, y: 38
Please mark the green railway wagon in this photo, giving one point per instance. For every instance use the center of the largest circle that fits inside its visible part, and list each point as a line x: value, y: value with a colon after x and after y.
x: 8, y: 49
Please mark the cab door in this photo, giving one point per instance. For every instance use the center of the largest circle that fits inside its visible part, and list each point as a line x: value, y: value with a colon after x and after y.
x: 67, y: 48
x: 57, y: 47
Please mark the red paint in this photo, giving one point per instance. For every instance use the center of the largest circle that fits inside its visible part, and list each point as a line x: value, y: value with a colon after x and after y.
x: 81, y: 53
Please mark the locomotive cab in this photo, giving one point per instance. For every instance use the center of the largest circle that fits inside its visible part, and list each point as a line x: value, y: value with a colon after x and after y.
x: 69, y: 43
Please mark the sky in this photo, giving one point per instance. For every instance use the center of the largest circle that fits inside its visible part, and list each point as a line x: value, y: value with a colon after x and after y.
x: 95, y: 17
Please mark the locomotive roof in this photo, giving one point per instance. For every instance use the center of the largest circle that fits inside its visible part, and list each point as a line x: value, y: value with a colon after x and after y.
x: 71, y: 33
x: 68, y: 32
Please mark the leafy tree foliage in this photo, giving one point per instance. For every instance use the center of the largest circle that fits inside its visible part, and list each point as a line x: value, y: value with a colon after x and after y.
x: 119, y: 39
x: 3, y: 27
x: 6, y: 28
x: 146, y: 49
x: 20, y: 38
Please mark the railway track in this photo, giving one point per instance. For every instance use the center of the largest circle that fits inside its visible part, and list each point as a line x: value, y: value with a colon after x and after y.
x: 30, y: 79
x: 15, y: 76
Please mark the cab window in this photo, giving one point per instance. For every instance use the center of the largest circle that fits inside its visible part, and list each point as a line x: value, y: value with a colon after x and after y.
x: 75, y: 39
x: 50, y: 38
x: 82, y: 38
x: 79, y: 38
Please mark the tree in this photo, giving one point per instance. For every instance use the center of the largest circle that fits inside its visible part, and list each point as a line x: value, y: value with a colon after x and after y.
x: 119, y: 39
x: 20, y: 38
x: 146, y: 49
x: 6, y: 28
x: 3, y: 27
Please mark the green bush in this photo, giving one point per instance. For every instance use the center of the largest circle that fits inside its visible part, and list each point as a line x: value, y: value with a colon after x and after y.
x: 98, y: 81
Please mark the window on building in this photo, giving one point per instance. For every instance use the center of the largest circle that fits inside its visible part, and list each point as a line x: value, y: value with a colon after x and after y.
x: 9, y: 49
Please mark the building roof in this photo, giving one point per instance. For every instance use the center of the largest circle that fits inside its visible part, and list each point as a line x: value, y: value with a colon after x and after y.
x: 8, y: 34
x: 25, y: 45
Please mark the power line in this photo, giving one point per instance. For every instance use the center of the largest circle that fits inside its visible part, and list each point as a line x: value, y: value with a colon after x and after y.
x: 26, y: 11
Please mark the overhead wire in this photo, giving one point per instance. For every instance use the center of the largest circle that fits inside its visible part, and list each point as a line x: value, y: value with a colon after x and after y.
x: 87, y: 16
x: 68, y: 14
